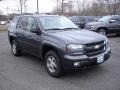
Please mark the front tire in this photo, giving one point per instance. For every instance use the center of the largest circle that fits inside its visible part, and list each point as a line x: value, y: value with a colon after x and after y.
x: 15, y: 50
x: 102, y: 31
x: 53, y: 64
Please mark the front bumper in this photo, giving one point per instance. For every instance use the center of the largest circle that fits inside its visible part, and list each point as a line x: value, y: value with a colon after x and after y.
x: 83, y: 60
x: 92, y: 29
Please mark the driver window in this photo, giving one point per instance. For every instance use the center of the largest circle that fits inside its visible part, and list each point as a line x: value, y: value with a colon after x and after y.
x: 117, y: 19
x: 32, y: 24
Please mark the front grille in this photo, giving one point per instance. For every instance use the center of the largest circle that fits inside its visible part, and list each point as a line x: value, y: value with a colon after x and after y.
x: 95, y: 48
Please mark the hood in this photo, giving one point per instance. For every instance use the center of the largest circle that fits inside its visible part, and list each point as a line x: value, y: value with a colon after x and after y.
x: 96, y: 23
x: 78, y: 37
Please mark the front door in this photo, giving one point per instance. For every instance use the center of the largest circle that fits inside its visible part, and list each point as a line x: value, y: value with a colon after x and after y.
x: 33, y: 39
x: 114, y: 26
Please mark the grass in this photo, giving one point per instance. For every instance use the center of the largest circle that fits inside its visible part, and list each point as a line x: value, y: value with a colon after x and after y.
x: 3, y: 28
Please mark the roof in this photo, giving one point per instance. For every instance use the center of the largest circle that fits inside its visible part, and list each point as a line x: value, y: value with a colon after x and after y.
x: 37, y: 15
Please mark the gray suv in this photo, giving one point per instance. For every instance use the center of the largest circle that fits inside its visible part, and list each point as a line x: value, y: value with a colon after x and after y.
x: 57, y: 41
x: 81, y: 21
x: 105, y: 25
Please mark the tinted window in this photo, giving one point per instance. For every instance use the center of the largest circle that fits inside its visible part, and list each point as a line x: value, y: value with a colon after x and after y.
x: 104, y: 19
x: 116, y: 18
x: 91, y: 18
x: 22, y: 23
x: 75, y: 19
x: 32, y: 24
x: 81, y: 18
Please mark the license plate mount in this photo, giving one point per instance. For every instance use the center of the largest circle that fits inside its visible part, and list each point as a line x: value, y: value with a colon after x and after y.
x: 100, y: 59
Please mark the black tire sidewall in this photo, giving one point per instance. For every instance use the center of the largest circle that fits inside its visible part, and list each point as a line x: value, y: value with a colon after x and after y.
x: 59, y: 68
x: 102, y: 30
x: 18, y: 51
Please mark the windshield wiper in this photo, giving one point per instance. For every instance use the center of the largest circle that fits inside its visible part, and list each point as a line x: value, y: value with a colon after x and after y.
x: 71, y: 28
x: 62, y: 28
x: 54, y: 29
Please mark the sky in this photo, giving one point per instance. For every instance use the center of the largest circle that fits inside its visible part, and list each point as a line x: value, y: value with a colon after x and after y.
x: 10, y: 6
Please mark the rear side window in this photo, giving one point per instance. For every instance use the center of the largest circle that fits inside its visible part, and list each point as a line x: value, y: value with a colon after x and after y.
x: 82, y: 19
x: 75, y: 19
x: 91, y: 19
x: 22, y: 23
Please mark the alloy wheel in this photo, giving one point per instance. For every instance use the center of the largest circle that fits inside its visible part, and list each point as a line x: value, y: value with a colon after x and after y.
x: 51, y: 64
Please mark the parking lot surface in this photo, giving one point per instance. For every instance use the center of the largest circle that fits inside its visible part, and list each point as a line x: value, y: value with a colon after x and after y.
x: 28, y: 72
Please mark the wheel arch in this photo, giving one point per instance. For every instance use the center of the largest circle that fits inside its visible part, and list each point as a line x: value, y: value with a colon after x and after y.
x: 11, y: 39
x: 46, y: 48
x: 105, y: 28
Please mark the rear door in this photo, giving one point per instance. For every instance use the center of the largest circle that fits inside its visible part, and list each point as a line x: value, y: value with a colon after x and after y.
x: 118, y: 25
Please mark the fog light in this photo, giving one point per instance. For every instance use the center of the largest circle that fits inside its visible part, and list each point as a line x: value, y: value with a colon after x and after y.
x: 76, y: 64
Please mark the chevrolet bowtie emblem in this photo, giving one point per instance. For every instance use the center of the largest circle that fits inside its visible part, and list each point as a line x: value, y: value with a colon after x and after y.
x: 97, y: 46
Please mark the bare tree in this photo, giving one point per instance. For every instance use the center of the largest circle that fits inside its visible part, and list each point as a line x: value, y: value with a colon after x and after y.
x: 79, y: 6
x: 82, y: 6
x: 23, y: 5
x: 115, y: 6
x: 101, y: 6
x: 57, y: 9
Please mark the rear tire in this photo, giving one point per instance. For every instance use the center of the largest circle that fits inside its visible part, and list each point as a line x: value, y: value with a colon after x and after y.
x: 102, y: 31
x: 15, y: 50
x: 53, y: 64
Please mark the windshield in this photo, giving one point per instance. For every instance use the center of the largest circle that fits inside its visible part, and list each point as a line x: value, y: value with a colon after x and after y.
x: 104, y: 19
x: 57, y: 23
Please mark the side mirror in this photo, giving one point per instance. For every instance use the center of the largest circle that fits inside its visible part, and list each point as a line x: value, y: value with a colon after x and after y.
x: 112, y: 21
x: 36, y: 30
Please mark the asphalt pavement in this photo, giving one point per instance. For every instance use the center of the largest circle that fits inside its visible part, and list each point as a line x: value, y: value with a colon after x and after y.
x: 28, y: 72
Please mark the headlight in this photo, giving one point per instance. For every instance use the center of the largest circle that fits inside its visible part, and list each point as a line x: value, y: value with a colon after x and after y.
x: 107, y: 43
x: 74, y: 49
